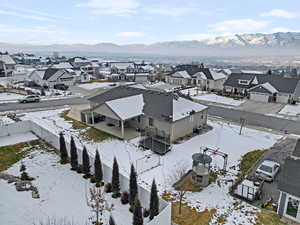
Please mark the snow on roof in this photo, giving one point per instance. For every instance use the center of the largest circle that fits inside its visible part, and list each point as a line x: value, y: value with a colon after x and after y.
x: 62, y: 65
x: 127, y: 107
x: 7, y: 59
x: 140, y: 86
x: 269, y: 87
x: 183, y: 108
x: 217, y: 75
x: 182, y: 74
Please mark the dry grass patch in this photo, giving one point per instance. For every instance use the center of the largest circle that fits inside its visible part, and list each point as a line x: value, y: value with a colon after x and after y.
x: 249, y: 160
x: 190, y: 216
x: 268, y: 218
x: 76, y: 125
x: 93, y: 134
x: 11, y: 154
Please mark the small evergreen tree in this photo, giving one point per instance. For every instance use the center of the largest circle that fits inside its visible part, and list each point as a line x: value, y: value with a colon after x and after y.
x: 63, y: 149
x: 115, y: 181
x: 85, y: 163
x: 74, y: 156
x: 111, y: 221
x: 43, y: 93
x: 98, y: 170
x: 133, y: 187
x: 154, y: 201
x: 137, y: 213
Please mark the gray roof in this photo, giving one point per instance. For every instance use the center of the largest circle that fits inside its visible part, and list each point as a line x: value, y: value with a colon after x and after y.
x: 289, y: 178
x: 158, y: 104
x: 260, y: 89
x: 49, y: 73
x: 282, y: 84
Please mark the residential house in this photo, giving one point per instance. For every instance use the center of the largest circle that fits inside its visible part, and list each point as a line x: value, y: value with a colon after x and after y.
x: 264, y: 87
x: 52, y: 76
x: 289, y: 186
x: 7, y: 65
x: 130, y: 109
x: 209, y: 79
x: 182, y: 78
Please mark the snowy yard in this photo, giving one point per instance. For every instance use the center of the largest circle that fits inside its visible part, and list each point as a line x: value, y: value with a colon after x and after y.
x: 10, y: 97
x: 94, y: 85
x: 62, y: 195
x: 291, y: 110
x: 224, y: 136
x: 17, y: 138
x: 219, y: 99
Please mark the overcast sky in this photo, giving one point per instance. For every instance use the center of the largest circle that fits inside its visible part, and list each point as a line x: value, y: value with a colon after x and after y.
x: 141, y: 21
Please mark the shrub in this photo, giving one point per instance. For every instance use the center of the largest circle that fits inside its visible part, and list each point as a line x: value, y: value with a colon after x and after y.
x: 93, y: 180
x: 79, y: 169
x: 125, y: 198
x: 146, y: 213
x: 108, y: 188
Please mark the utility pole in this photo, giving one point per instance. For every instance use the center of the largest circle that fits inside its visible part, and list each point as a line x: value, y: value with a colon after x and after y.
x: 243, y: 121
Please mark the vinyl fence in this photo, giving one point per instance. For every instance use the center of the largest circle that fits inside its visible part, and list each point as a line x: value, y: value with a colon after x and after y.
x: 164, y: 218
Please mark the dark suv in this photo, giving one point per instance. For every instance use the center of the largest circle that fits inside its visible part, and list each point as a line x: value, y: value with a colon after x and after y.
x: 62, y: 87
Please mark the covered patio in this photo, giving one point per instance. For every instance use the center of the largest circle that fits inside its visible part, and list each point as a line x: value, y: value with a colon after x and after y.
x: 115, y: 130
x: 118, y: 116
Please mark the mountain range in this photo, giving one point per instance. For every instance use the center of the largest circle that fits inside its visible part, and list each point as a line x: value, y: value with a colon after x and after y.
x: 259, y: 44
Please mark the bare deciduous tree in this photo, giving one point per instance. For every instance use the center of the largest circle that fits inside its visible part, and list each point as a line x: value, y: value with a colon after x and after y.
x: 98, y: 204
x: 175, y: 176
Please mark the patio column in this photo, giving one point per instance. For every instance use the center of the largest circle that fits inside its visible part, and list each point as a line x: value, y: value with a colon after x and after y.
x: 122, y: 129
x: 93, y: 119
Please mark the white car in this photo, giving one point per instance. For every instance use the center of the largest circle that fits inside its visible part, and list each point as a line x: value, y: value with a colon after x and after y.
x: 267, y: 170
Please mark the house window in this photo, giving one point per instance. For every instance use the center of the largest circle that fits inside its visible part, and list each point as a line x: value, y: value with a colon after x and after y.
x: 139, y: 119
x: 244, y: 82
x: 151, y: 122
x: 292, y: 207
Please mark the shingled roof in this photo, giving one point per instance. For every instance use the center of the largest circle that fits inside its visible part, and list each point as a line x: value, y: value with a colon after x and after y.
x: 159, y: 105
x: 281, y: 84
x: 289, y: 178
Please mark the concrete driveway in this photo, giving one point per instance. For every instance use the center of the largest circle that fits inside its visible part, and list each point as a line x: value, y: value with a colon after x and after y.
x: 278, y: 153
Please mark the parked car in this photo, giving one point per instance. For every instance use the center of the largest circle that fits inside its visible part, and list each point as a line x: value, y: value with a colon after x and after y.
x: 62, y: 87
x: 267, y: 170
x: 30, y: 99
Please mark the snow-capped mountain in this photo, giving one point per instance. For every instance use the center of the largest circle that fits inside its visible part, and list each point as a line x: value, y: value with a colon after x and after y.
x: 275, y: 44
x: 258, y: 40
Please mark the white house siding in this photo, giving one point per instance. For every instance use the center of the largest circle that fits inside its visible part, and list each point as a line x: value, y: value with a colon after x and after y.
x: 106, y: 111
x: 282, y: 98
x: 210, y: 84
x: 259, y: 97
x: 177, y: 81
x: 186, y: 125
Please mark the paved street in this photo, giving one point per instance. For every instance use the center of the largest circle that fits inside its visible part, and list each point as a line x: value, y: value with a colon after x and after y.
x: 253, y: 119
x: 43, y: 104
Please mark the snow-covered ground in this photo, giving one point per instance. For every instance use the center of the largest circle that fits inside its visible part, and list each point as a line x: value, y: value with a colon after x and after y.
x: 4, y: 120
x: 290, y: 110
x: 94, y: 85
x: 224, y: 136
x: 219, y: 99
x: 10, y: 97
x: 17, y: 138
x: 62, y: 195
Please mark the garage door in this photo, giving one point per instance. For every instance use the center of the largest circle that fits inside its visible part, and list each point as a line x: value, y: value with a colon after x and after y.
x: 259, y: 97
